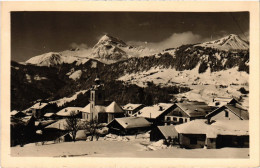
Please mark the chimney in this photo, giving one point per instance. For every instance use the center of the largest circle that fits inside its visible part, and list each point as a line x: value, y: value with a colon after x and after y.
x: 160, y: 108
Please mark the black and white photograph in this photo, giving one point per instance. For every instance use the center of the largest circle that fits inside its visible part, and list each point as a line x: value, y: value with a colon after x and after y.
x: 130, y: 84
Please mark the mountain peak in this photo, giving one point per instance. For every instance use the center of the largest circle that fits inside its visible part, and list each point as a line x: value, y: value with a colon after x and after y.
x: 229, y: 42
x: 110, y: 40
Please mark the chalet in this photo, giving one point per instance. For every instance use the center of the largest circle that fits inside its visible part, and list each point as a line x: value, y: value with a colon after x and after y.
x: 128, y: 125
x: 39, y: 109
x: 56, y: 132
x: 228, y: 112
x: 221, y: 101
x: 66, y: 112
x: 156, y: 113
x: 131, y: 109
x: 163, y: 132
x: 199, y: 134
x: 188, y: 111
x: 17, y: 114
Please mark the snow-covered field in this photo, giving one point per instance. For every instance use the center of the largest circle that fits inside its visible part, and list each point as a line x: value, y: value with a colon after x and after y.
x: 204, y: 86
x: 103, y: 148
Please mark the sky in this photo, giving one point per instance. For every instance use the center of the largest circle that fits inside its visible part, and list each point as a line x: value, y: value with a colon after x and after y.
x: 35, y: 33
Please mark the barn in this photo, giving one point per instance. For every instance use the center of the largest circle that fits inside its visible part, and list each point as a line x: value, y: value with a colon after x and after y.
x: 163, y: 132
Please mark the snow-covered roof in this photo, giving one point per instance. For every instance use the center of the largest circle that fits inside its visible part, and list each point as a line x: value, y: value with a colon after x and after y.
x: 66, y: 111
x: 48, y: 114
x: 60, y: 124
x: 221, y: 101
x: 39, y: 105
x: 168, y: 131
x: 236, y: 109
x: 114, y: 108
x: 224, y: 127
x: 14, y: 112
x: 195, y: 109
x: 154, y: 111
x: 131, y: 106
x: 132, y: 122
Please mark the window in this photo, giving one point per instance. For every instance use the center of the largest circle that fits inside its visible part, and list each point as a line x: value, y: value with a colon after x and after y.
x: 87, y: 116
x: 168, y: 118
x: 174, y: 119
x: 99, y: 96
x: 185, y: 119
x: 193, y: 141
x: 181, y: 120
x: 92, y: 96
x: 226, y: 113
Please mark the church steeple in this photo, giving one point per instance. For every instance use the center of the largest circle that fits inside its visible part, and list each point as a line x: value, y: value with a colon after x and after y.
x: 97, y: 96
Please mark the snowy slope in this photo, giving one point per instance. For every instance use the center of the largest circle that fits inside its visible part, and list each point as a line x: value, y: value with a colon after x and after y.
x: 204, y: 86
x: 230, y: 42
x: 62, y: 101
x: 76, y: 75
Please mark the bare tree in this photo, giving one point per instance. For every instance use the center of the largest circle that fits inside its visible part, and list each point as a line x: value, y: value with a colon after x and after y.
x: 92, y: 127
x: 73, y: 124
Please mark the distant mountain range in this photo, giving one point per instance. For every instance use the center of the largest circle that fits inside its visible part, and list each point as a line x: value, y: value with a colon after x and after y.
x: 110, y: 50
x: 193, y: 71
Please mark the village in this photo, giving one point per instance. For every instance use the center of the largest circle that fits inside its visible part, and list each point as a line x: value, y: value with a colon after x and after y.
x: 223, y: 123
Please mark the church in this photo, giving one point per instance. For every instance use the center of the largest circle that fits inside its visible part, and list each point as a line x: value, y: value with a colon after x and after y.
x: 99, y: 109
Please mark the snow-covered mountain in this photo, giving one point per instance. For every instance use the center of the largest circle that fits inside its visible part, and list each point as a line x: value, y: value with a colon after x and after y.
x: 110, y: 50
x: 107, y: 50
x: 230, y: 42
x: 113, y: 49
x: 54, y: 58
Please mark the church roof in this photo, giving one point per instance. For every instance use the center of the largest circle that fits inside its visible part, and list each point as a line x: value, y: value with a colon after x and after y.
x: 112, y: 108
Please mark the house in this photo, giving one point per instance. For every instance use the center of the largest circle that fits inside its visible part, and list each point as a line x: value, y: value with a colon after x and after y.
x: 98, y: 108
x: 199, y: 134
x: 39, y: 109
x: 221, y: 101
x: 131, y: 109
x: 128, y: 125
x: 155, y: 113
x: 229, y: 112
x: 163, y: 132
x: 66, y: 112
x: 188, y: 111
x: 17, y: 114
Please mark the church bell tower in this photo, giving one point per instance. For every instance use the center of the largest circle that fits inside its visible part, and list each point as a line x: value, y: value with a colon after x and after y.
x: 97, y: 97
